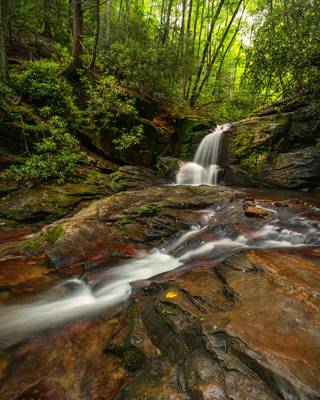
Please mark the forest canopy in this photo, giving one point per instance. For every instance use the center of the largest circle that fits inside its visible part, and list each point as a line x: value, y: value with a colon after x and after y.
x: 204, y: 53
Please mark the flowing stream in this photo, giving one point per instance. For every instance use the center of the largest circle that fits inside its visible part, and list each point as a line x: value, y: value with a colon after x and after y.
x: 204, y: 169
x: 208, y: 242
x: 216, y: 238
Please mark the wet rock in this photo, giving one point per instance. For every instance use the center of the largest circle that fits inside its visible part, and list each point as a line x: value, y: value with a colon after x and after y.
x: 69, y: 362
x: 45, y: 389
x: 49, y: 203
x: 276, y: 149
x: 132, y: 178
x: 253, y: 210
x: 297, y: 169
x: 103, y: 165
x: 246, y: 330
x: 204, y: 377
x: 167, y: 168
x: 137, y: 219
x: 163, y: 381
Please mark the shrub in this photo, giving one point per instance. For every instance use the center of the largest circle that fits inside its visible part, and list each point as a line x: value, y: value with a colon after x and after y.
x: 56, y: 157
x: 129, y: 138
x: 42, y: 83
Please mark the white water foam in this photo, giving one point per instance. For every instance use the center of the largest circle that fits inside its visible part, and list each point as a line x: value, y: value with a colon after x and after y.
x: 204, y: 169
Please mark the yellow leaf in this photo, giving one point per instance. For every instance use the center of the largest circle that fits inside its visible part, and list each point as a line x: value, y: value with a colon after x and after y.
x: 171, y: 295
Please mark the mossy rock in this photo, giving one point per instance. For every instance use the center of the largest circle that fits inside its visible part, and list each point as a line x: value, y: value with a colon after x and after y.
x: 167, y: 168
x: 132, y: 178
x: 49, y: 236
x: 48, y: 203
x: 133, y: 357
x: 138, y: 213
x: 189, y: 131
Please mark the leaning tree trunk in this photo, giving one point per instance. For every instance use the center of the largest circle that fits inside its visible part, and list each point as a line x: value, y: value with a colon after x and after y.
x: 3, y: 41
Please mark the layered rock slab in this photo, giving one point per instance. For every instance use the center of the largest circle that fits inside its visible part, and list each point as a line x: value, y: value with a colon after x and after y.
x: 247, y: 329
x: 129, y: 221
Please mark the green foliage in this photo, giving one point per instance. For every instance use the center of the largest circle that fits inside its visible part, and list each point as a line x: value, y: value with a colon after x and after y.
x: 128, y: 139
x: 115, y: 178
x: 56, y: 157
x: 41, y: 83
x: 106, y: 100
x: 46, y: 16
x: 284, y: 57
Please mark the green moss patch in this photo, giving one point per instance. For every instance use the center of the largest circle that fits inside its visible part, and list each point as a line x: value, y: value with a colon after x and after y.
x: 50, y: 236
x: 148, y: 210
x: 115, y: 179
x: 256, y: 161
x: 133, y: 358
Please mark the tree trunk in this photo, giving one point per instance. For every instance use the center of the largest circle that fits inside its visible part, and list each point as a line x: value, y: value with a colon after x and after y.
x: 189, y: 18
x: 205, y: 51
x: 77, y: 34
x: 47, y: 31
x: 108, y: 25
x: 225, y: 53
x: 127, y: 19
x: 3, y: 41
x: 196, y: 93
x: 167, y: 23
x: 96, y: 34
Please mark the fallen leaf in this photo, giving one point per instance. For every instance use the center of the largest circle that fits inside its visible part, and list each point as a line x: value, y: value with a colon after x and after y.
x: 171, y: 295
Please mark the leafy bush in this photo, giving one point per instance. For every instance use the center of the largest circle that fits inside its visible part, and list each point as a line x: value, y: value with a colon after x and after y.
x: 56, y: 157
x: 106, y: 102
x: 42, y: 83
x: 129, y: 138
x: 106, y: 99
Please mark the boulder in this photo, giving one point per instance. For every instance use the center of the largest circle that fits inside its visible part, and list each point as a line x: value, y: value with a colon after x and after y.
x: 132, y: 178
x: 118, y: 226
x: 188, y: 133
x: 48, y: 203
x: 274, y: 149
x: 167, y: 168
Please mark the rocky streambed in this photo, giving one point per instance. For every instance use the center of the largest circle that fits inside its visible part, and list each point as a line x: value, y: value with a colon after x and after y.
x: 167, y: 292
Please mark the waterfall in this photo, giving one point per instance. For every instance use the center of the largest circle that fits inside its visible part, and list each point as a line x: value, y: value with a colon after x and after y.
x: 204, y: 169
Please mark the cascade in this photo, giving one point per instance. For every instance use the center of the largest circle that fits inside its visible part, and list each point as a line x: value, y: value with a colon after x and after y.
x: 204, y: 169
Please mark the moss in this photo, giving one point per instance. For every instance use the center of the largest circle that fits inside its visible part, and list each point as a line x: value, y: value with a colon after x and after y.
x: 256, y: 161
x: 190, y: 131
x: 144, y: 211
x: 185, y: 150
x: 54, y: 234
x: 51, y: 236
x: 115, y: 179
x: 133, y: 358
x: 32, y: 245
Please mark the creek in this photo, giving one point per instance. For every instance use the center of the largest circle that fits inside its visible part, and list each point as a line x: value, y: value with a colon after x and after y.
x: 259, y: 222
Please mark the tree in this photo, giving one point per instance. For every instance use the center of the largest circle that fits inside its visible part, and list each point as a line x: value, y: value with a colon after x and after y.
x: 3, y: 40
x: 96, y: 34
x: 284, y: 56
x: 77, y: 36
